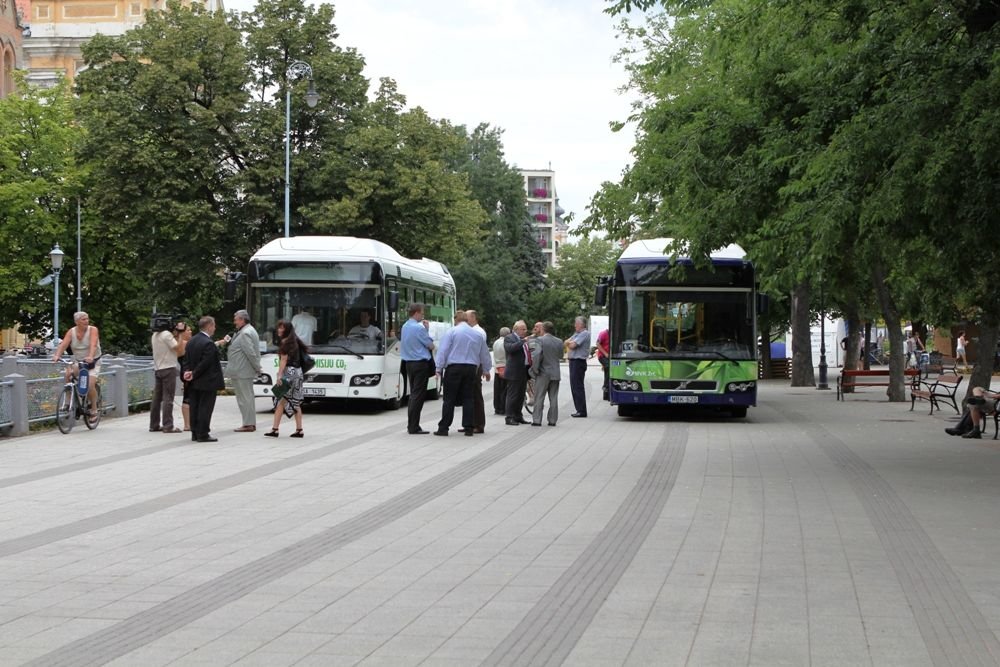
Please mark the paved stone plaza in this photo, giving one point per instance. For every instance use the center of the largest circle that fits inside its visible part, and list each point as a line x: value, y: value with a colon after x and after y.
x: 812, y: 533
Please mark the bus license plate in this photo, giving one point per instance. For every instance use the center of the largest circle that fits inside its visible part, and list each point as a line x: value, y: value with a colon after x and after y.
x: 683, y: 399
x: 314, y: 391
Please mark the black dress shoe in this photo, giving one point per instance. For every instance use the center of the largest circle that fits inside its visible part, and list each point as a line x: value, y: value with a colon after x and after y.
x: 469, y: 432
x: 443, y: 433
x: 208, y: 439
x: 577, y: 414
x: 534, y: 424
x: 974, y: 433
x: 953, y: 431
x: 511, y: 422
x: 522, y: 420
x: 551, y: 424
x: 418, y: 432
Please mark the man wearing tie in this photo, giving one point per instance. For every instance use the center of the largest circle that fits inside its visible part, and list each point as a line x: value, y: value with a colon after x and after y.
x: 203, y: 372
x: 516, y: 373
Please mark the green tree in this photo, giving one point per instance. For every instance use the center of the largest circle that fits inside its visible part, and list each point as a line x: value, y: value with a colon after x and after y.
x: 497, y: 276
x: 39, y: 184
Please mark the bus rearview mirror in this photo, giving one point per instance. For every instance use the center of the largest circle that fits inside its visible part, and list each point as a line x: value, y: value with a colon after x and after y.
x: 393, y: 301
x: 601, y: 295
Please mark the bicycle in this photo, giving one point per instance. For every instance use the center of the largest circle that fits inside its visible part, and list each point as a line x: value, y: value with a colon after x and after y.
x: 75, y: 401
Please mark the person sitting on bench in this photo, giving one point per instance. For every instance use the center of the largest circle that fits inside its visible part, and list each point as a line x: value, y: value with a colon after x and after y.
x: 977, y: 407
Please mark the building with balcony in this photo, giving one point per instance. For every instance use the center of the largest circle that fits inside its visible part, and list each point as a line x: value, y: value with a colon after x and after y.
x: 545, y: 212
x: 58, y: 28
x: 11, y: 35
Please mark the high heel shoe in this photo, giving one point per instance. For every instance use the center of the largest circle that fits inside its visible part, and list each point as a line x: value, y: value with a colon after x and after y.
x: 297, y: 434
x: 273, y: 433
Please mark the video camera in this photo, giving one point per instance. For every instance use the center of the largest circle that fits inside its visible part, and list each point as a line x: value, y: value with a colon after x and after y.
x: 164, y: 321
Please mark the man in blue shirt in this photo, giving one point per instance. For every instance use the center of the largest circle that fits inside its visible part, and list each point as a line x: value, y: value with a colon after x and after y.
x: 579, y: 350
x: 463, y: 351
x: 415, y: 347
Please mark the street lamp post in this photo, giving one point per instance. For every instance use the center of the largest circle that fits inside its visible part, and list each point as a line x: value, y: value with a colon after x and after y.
x: 822, y: 339
x: 296, y: 70
x: 56, y: 257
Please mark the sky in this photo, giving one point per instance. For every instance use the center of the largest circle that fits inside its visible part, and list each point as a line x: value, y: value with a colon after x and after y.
x: 540, y: 70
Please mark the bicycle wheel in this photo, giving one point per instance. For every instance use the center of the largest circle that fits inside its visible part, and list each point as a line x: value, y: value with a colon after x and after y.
x: 66, y: 409
x: 93, y: 408
x: 529, y: 397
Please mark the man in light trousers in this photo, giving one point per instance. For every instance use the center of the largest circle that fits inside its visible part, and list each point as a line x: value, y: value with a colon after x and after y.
x: 243, y: 366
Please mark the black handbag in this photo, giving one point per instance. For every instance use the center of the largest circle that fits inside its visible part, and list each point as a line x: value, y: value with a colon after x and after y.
x: 305, y: 360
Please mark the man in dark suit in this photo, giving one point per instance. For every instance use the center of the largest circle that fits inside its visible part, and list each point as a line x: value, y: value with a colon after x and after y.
x: 516, y: 373
x: 203, y: 372
x: 547, y: 372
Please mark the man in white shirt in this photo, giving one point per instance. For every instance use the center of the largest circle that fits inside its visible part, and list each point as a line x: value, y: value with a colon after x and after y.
x: 166, y: 349
x: 365, y: 328
x: 304, y: 324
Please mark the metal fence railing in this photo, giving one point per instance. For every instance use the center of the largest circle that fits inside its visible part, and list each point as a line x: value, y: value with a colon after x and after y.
x: 43, y: 382
x: 6, y: 390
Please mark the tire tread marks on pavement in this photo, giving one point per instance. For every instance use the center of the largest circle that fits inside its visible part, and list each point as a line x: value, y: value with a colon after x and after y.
x: 147, y: 626
x: 551, y: 629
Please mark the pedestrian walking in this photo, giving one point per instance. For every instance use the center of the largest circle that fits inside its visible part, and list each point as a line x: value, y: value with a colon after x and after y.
x: 291, y: 349
x: 242, y: 367
x: 547, y: 373
x: 415, y: 346
x: 960, y: 345
x: 579, y: 351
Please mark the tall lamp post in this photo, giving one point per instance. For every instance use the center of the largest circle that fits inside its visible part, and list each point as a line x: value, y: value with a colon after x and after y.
x: 56, y: 257
x: 822, y: 338
x: 296, y: 70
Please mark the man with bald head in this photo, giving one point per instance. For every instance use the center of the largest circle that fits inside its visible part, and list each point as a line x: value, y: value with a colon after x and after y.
x: 516, y: 373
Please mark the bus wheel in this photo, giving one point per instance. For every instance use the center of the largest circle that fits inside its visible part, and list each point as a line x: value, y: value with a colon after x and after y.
x: 392, y: 403
x: 626, y: 410
x: 739, y: 412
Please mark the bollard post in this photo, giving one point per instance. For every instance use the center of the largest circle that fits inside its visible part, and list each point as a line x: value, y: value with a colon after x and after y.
x: 118, y: 388
x: 18, y: 404
x: 9, y: 365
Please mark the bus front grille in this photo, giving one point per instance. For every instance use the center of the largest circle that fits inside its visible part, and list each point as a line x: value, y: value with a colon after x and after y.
x: 684, y: 385
x: 326, y: 379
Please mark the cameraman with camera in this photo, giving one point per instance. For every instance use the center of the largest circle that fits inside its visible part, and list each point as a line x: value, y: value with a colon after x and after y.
x: 168, y: 343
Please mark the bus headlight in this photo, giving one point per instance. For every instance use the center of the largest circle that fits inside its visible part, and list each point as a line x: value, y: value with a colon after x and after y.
x: 366, y: 380
x: 738, y: 387
x: 626, y: 385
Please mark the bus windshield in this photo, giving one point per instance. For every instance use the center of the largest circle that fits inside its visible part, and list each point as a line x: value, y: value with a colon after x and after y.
x: 334, y: 318
x: 691, y: 323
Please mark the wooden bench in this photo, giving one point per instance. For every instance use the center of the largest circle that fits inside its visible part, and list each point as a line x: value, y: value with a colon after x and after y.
x: 943, y: 388
x: 872, y: 378
x: 941, y: 364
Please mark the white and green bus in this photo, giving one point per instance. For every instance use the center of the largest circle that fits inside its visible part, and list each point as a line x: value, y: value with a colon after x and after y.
x: 325, y: 286
x: 681, y: 335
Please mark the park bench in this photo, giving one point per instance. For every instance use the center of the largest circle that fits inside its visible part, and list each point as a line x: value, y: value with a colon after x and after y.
x: 940, y: 364
x: 872, y: 378
x: 943, y: 388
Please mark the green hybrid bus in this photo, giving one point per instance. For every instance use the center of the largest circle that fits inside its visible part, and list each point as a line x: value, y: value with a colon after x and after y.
x: 681, y: 335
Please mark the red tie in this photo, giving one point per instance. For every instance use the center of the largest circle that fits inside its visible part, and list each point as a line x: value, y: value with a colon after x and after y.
x: 527, y: 354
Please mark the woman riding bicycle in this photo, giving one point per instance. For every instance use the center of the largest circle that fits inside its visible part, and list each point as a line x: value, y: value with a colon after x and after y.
x: 84, y: 342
